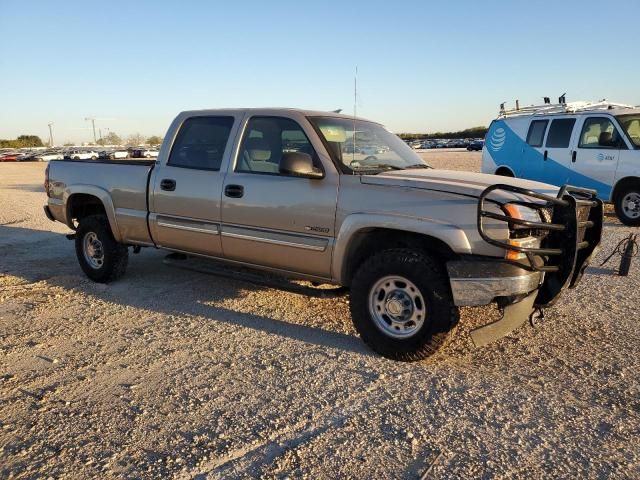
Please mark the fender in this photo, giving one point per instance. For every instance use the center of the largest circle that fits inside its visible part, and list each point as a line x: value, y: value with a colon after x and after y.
x: 452, y: 235
x: 101, y: 195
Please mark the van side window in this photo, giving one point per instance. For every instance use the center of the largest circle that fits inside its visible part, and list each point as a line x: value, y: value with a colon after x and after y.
x: 536, y: 132
x: 600, y: 132
x: 201, y: 142
x: 560, y: 133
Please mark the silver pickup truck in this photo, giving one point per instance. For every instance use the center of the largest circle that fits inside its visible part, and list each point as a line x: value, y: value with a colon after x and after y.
x: 327, y: 198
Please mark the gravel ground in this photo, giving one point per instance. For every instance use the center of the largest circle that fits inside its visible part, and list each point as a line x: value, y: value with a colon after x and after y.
x: 174, y: 374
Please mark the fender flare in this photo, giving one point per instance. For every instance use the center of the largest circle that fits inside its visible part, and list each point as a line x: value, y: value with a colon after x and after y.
x: 614, y: 190
x: 451, y: 235
x: 100, y: 194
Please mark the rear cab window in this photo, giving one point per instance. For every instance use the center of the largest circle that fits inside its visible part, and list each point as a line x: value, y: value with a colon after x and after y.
x: 537, y: 129
x: 201, y: 142
x: 560, y: 133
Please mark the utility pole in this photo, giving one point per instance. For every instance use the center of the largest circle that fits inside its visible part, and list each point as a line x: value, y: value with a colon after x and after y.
x: 50, y: 134
x: 93, y: 124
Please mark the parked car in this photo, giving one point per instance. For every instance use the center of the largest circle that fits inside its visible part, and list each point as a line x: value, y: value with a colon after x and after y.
x: 81, y: 155
x: 411, y: 244
x: 9, y: 157
x: 475, y: 146
x: 150, y: 153
x: 26, y: 157
x: 595, y: 146
x: 48, y: 156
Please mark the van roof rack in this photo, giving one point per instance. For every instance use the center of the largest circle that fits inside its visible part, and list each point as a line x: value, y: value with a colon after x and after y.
x: 547, y: 108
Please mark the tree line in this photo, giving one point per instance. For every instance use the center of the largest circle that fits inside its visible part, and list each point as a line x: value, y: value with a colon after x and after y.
x: 474, y: 132
x: 22, y: 141
x: 31, y: 141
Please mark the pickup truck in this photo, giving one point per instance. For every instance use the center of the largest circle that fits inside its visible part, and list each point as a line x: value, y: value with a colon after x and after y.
x: 276, y: 189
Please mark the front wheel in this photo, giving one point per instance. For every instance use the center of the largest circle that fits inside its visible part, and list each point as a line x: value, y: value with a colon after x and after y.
x: 627, y: 205
x: 401, y: 304
x: 101, y: 258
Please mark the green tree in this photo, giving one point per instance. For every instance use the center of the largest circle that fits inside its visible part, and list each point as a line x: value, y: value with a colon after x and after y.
x: 22, y: 141
x: 154, y: 140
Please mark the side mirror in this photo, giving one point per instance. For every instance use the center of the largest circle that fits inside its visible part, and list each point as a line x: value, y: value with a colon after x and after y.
x: 299, y: 164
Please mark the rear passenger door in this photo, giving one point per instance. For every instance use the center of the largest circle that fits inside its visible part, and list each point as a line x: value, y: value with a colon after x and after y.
x: 557, y: 152
x: 532, y: 158
x: 184, y: 206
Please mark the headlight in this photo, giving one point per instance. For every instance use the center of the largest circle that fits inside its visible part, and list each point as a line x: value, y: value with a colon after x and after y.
x: 521, y: 236
x: 522, y: 213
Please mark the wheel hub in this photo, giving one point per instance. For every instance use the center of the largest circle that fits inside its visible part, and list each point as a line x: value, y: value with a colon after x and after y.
x: 93, y: 251
x: 631, y: 204
x: 397, y: 307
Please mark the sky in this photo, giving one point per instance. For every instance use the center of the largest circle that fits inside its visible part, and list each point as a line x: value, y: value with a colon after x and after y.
x: 422, y: 66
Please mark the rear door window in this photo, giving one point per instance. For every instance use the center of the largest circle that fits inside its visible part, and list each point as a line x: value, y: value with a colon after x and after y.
x: 536, y: 132
x: 201, y: 142
x: 560, y: 133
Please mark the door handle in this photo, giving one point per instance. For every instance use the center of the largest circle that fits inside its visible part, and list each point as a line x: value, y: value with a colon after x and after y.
x: 168, y: 184
x: 546, y: 154
x: 574, y: 155
x: 234, y: 191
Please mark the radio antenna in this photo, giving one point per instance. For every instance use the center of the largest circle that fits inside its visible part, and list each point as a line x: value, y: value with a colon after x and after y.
x: 355, y: 111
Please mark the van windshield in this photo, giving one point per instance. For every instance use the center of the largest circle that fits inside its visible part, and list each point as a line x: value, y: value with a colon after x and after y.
x: 366, y: 147
x: 631, y: 126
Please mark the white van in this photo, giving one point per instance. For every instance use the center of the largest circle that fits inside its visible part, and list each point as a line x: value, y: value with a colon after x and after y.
x: 592, y: 145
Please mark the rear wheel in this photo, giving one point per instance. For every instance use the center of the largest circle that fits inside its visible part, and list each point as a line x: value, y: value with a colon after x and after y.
x: 504, y: 172
x: 101, y: 258
x: 627, y: 205
x: 401, y: 304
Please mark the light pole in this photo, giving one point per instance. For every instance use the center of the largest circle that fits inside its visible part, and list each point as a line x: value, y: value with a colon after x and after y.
x: 50, y: 134
x: 93, y: 124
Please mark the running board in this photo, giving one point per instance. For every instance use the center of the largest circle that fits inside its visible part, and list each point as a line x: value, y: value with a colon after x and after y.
x: 205, y: 266
x: 513, y: 316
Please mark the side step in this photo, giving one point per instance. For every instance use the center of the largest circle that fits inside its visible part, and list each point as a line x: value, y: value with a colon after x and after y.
x: 201, y: 265
x: 513, y: 316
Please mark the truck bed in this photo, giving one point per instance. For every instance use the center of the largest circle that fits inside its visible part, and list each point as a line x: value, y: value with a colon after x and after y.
x: 120, y: 184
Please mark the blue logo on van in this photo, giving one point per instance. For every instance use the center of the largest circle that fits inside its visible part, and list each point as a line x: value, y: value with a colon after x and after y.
x: 600, y: 157
x: 496, y: 142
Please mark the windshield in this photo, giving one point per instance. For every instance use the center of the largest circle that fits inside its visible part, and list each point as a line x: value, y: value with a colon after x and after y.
x: 631, y: 126
x: 365, y: 147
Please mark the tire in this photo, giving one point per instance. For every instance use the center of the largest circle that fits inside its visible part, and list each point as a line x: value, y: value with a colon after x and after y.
x: 94, y: 157
x: 436, y: 307
x: 503, y: 172
x: 107, y: 267
x: 627, y: 205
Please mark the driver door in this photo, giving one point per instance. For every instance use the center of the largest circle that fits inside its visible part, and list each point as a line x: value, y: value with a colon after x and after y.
x: 275, y: 220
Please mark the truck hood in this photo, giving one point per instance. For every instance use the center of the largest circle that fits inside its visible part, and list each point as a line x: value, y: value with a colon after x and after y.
x: 458, y: 182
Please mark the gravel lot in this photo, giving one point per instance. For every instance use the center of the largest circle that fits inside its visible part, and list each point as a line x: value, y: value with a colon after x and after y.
x: 174, y: 374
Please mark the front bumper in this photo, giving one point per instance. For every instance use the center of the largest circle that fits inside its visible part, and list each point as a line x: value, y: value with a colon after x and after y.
x: 480, y: 281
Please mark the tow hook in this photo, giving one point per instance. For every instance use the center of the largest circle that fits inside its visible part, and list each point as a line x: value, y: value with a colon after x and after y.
x: 536, y: 317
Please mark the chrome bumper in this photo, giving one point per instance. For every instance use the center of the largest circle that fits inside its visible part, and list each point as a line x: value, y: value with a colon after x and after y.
x: 479, y: 282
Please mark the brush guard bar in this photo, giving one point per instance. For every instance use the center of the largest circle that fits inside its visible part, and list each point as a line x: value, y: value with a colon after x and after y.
x: 571, y: 227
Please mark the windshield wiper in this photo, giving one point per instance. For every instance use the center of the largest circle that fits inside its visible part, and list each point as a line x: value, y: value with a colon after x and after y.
x: 377, y: 166
x: 418, y: 165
